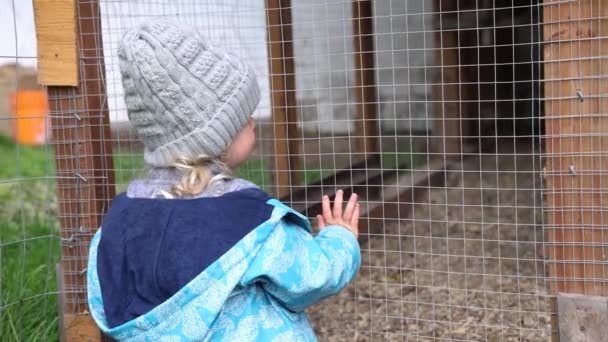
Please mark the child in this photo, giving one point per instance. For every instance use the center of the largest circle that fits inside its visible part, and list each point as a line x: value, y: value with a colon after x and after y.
x: 191, y: 253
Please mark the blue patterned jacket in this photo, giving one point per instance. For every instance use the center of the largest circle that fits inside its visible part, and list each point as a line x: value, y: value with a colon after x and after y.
x: 257, y: 290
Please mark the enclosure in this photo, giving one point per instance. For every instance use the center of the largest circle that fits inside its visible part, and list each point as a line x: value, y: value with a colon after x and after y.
x: 475, y: 132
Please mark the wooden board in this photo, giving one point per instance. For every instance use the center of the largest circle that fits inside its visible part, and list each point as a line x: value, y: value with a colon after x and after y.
x: 56, y: 35
x: 84, y: 169
x: 363, y: 178
x: 283, y: 96
x: 80, y: 327
x: 447, y: 135
x: 400, y: 194
x: 576, y: 61
x: 576, y: 147
x: 582, y: 318
x: 379, y: 190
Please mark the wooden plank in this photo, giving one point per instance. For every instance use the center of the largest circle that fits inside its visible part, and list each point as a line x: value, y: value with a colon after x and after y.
x: 582, y: 318
x: 80, y: 327
x: 446, y: 85
x: 74, y: 327
x: 576, y: 51
x: 362, y: 177
x: 468, y: 105
x: 56, y: 35
x: 576, y: 143
x: 83, y: 156
x: 476, y: 76
x: 380, y: 191
x: 366, y: 124
x: 283, y: 96
x: 398, y: 198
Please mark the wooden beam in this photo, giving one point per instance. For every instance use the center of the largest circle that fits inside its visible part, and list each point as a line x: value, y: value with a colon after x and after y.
x: 397, y: 198
x: 446, y: 85
x: 85, y: 172
x: 56, y: 34
x: 283, y: 96
x: 576, y: 60
x: 359, y: 177
x: 576, y: 57
x: 377, y: 188
x: 473, y: 93
x: 366, y: 124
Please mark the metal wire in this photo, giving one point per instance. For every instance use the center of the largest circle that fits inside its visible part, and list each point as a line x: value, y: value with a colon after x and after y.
x: 29, y: 235
x: 474, y: 214
x: 462, y: 262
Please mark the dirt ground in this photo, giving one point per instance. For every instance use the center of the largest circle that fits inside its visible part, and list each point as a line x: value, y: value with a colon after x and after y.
x: 464, y: 266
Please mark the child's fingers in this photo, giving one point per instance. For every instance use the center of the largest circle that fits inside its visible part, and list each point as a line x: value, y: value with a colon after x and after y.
x: 326, y: 209
x: 320, y: 222
x: 338, y: 204
x: 350, y: 207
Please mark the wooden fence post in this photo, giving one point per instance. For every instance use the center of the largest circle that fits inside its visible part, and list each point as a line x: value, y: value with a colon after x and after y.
x: 576, y: 147
x: 446, y: 82
x: 283, y: 96
x: 81, y: 136
x: 366, y: 125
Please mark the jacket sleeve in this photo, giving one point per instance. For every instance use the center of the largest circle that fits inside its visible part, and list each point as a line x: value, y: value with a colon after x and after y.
x: 300, y: 270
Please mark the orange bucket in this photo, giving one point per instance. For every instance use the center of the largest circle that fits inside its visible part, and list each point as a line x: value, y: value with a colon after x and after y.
x: 29, y: 110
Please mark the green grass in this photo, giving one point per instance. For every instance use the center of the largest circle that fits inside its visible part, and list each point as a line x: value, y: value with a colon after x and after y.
x: 28, y: 297
x: 22, y: 161
x: 258, y: 172
x: 27, y: 184
x: 402, y: 161
x: 29, y: 243
x: 127, y: 166
x: 130, y: 166
x: 255, y: 171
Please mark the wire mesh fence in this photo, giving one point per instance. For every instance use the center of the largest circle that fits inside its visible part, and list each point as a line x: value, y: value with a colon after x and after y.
x: 474, y: 132
x: 29, y: 231
x: 447, y: 254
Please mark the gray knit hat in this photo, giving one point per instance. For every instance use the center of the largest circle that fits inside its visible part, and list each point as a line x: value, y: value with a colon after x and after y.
x: 184, y: 97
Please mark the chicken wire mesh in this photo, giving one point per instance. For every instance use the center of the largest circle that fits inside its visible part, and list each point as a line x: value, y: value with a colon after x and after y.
x: 434, y: 111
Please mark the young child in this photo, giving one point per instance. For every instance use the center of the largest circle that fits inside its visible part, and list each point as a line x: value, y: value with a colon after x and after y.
x: 191, y: 253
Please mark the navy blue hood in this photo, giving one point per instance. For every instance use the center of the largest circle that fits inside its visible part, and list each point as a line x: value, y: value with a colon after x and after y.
x: 151, y: 248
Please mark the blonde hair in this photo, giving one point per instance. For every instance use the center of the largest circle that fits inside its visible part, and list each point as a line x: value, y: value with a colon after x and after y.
x: 197, y: 174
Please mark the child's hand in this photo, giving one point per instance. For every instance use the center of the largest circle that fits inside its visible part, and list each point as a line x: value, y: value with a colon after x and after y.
x: 348, y: 219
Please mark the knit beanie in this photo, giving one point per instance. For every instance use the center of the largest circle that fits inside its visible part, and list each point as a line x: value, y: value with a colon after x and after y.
x: 184, y: 97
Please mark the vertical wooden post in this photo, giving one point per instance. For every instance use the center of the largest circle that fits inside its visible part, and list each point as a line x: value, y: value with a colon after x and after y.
x: 366, y: 125
x: 576, y: 121
x: 471, y: 63
x: 81, y: 137
x: 283, y: 95
x: 446, y: 87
